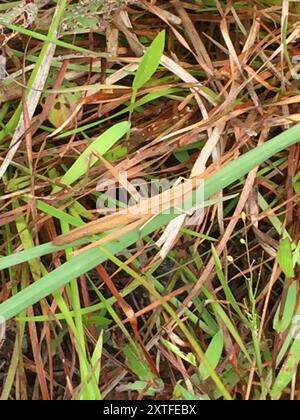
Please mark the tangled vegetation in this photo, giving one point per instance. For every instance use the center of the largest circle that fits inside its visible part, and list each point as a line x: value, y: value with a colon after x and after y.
x: 192, y: 292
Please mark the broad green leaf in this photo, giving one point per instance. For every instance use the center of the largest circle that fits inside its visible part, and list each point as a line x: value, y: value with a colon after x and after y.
x: 213, y: 354
x: 149, y: 62
x: 281, y: 325
x: 88, y: 158
x: 285, y: 257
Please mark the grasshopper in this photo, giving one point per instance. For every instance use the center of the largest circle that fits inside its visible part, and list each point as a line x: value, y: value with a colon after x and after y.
x: 134, y: 216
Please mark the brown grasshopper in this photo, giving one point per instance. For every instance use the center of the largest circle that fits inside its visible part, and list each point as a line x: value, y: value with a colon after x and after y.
x: 134, y: 216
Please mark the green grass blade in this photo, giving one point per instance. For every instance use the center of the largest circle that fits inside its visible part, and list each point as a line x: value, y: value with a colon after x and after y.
x: 213, y: 354
x: 87, y: 159
x: 285, y: 257
x: 149, y: 62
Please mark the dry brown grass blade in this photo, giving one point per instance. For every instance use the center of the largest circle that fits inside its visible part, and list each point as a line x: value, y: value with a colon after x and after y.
x: 202, y: 54
x: 36, y: 349
x: 170, y: 235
